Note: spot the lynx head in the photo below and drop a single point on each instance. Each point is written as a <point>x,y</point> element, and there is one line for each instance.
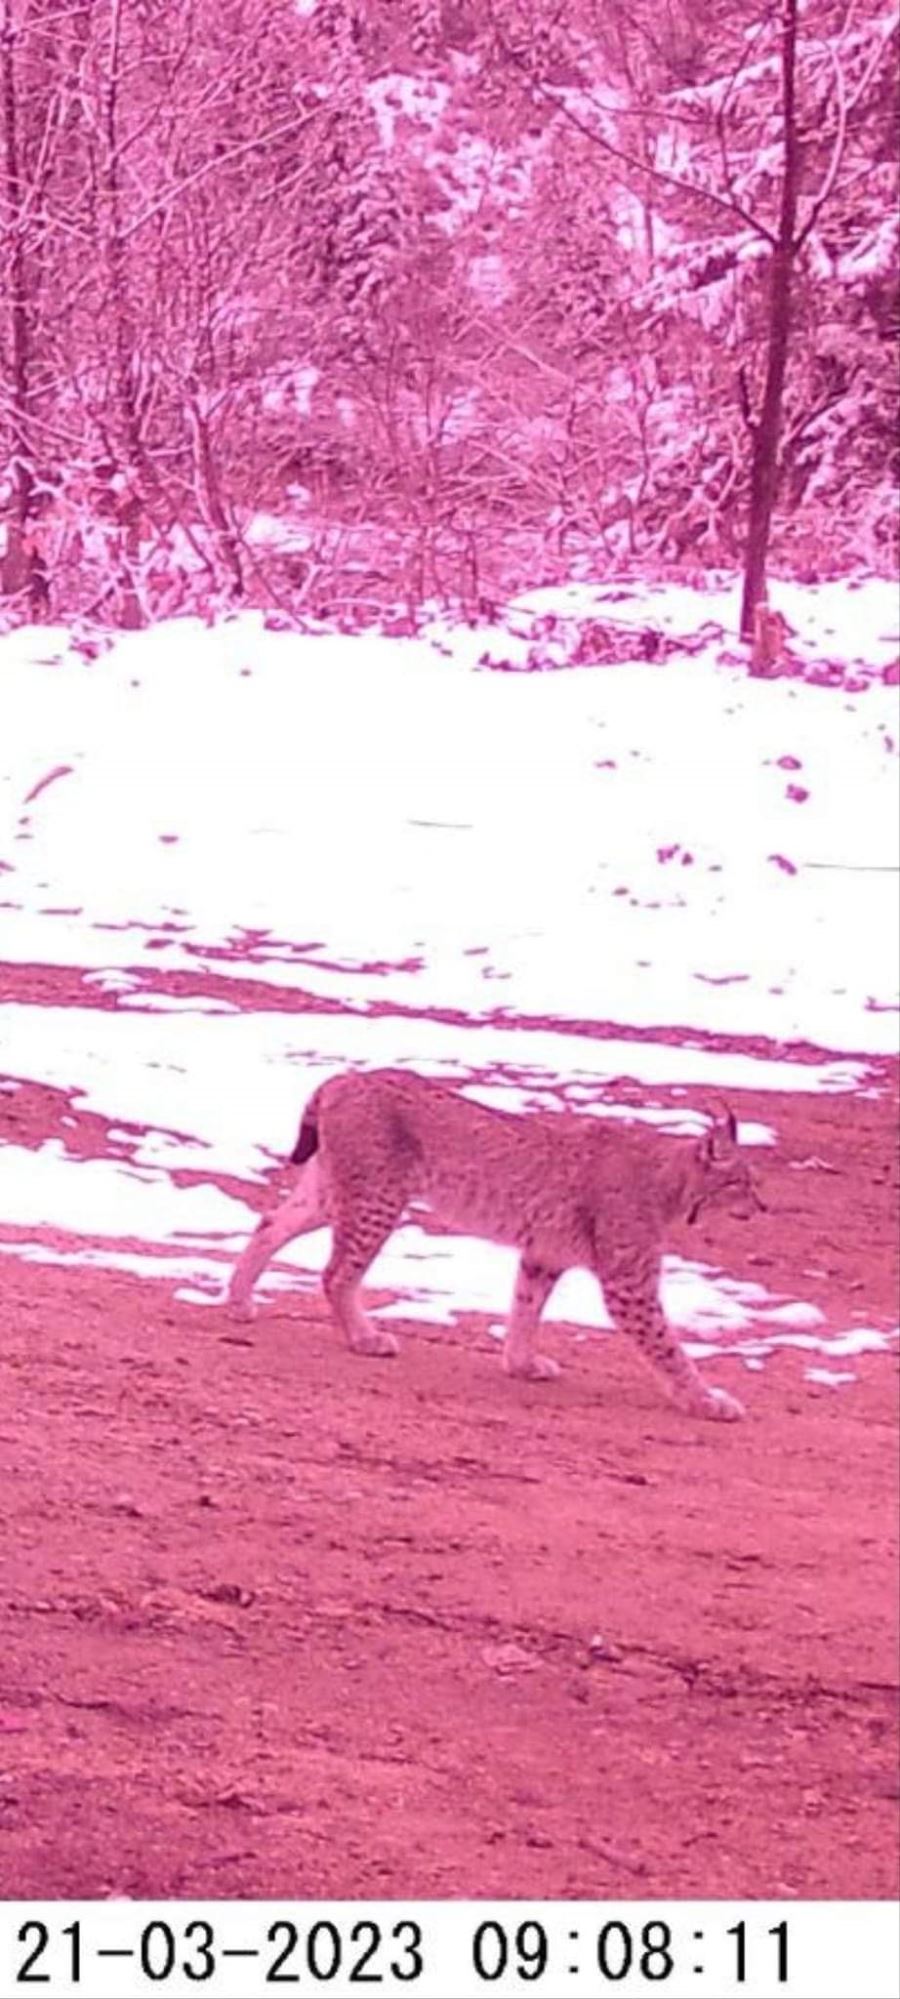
<point>721,1169</point>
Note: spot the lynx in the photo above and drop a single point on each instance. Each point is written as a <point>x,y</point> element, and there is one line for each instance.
<point>563,1189</point>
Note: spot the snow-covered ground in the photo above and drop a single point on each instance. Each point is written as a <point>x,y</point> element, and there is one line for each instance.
<point>372,817</point>
<point>384,822</point>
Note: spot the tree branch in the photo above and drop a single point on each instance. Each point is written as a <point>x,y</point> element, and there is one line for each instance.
<point>730,206</point>
<point>837,153</point>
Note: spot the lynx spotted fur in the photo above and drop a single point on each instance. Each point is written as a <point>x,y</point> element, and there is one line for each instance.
<point>564,1190</point>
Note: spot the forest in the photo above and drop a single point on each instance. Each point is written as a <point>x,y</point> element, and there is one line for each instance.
<point>344,308</point>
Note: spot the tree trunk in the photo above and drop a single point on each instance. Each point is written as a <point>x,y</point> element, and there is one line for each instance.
<point>765,468</point>
<point>210,497</point>
<point>18,573</point>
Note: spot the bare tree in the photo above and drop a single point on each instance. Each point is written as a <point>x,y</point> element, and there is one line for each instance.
<point>704,128</point>
<point>29,113</point>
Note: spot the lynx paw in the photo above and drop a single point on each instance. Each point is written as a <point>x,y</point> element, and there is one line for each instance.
<point>372,1340</point>
<point>531,1367</point>
<point>721,1407</point>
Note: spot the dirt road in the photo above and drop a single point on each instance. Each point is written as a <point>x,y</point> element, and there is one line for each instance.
<point>275,1621</point>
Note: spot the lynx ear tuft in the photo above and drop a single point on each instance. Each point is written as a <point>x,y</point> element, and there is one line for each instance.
<point>723,1123</point>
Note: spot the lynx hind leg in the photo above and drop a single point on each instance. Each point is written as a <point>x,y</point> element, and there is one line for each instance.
<point>534,1284</point>
<point>357,1241</point>
<point>304,1209</point>
<point>633,1305</point>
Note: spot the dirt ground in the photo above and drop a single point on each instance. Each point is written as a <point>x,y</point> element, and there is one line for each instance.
<point>276,1621</point>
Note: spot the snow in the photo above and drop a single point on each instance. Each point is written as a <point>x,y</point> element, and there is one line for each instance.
<point>274,532</point>
<point>234,1083</point>
<point>422,100</point>
<point>377,822</point>
<point>856,620</point>
<point>110,1197</point>
<point>367,818</point>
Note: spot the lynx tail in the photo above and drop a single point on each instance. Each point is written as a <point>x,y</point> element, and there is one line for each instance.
<point>307,1137</point>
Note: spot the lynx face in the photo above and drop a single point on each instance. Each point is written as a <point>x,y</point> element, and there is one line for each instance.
<point>566,1191</point>
<point>725,1172</point>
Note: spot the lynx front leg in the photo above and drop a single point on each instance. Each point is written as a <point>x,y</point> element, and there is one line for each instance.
<point>633,1305</point>
<point>303,1210</point>
<point>533,1287</point>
